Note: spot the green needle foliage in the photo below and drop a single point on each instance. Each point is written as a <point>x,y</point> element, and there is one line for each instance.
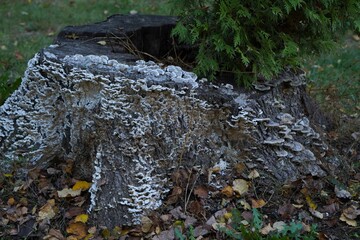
<point>260,37</point>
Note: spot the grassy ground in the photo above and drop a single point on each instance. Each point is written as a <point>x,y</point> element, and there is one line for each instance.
<point>29,25</point>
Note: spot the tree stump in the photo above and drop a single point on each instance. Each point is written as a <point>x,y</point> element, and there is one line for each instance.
<point>127,123</point>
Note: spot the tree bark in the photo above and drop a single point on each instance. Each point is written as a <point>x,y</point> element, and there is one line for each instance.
<point>128,124</point>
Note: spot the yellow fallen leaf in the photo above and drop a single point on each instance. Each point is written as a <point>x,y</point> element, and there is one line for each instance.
<point>82,185</point>
<point>227,191</point>
<point>228,215</point>
<point>350,222</point>
<point>11,201</point>
<point>78,229</point>
<point>257,203</point>
<point>310,202</point>
<point>68,192</point>
<point>82,218</point>
<point>240,186</point>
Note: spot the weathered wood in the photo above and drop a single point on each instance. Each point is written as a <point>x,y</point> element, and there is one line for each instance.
<point>128,124</point>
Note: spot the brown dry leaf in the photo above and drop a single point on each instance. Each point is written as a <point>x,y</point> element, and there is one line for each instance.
<point>82,218</point>
<point>239,168</point>
<point>286,210</point>
<point>48,211</point>
<point>19,56</point>
<point>201,192</point>
<point>175,195</point>
<point>350,222</point>
<point>257,203</point>
<point>267,229</point>
<point>253,174</point>
<point>54,233</point>
<point>68,192</point>
<point>240,186</point>
<point>81,185</point>
<point>196,208</point>
<point>78,229</point>
<point>74,211</point>
<point>146,224</point>
<point>227,191</point>
<point>331,208</point>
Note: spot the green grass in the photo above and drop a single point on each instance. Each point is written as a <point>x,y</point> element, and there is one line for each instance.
<point>335,77</point>
<point>26,26</point>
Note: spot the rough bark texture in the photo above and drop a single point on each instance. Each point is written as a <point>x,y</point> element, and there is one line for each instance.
<point>128,124</point>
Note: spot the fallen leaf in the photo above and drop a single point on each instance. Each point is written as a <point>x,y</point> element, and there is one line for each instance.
<point>92,230</point>
<point>48,211</point>
<point>19,56</point>
<point>195,207</point>
<point>54,233</point>
<point>82,218</point>
<point>82,185</point>
<point>245,205</point>
<point>201,191</point>
<point>146,224</point>
<point>11,201</point>
<point>68,192</point>
<point>310,202</point>
<point>78,229</point>
<point>74,211</point>
<point>239,168</point>
<point>257,203</point>
<point>286,210</point>
<point>240,186</point>
<point>227,191</point>
<point>217,226</point>
<point>175,195</point>
<point>267,229</point>
<point>253,174</point>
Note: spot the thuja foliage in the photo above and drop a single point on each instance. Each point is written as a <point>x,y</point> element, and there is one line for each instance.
<point>259,37</point>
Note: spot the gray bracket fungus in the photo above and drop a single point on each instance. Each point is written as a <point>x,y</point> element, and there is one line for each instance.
<point>128,125</point>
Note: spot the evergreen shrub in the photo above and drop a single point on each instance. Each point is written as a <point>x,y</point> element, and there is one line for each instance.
<point>260,37</point>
